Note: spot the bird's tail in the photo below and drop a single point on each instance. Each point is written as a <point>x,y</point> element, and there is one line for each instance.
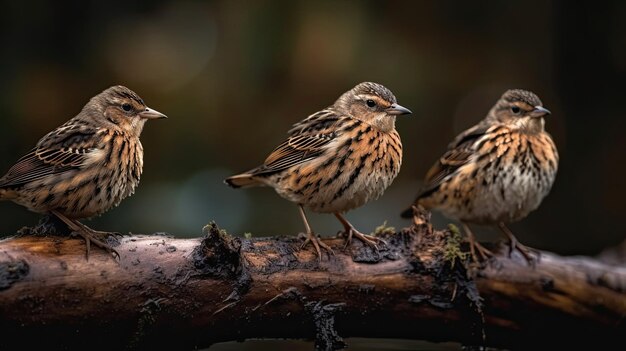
<point>408,213</point>
<point>243,180</point>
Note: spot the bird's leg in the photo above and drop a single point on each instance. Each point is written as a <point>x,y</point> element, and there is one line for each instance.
<point>98,237</point>
<point>311,237</point>
<point>515,244</point>
<point>102,235</point>
<point>476,246</point>
<point>88,234</point>
<point>351,231</point>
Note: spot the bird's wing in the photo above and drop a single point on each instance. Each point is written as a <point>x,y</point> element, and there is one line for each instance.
<point>459,153</point>
<point>296,150</point>
<point>306,141</point>
<point>317,122</point>
<point>64,149</point>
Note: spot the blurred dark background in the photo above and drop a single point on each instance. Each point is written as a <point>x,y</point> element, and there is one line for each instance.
<point>233,76</point>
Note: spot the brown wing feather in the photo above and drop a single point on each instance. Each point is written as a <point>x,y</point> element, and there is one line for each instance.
<point>459,153</point>
<point>307,140</point>
<point>295,150</point>
<point>63,150</point>
<point>315,123</point>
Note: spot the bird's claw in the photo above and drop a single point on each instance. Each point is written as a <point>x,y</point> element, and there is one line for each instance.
<point>317,243</point>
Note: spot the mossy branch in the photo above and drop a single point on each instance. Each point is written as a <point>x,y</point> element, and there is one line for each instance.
<point>190,293</point>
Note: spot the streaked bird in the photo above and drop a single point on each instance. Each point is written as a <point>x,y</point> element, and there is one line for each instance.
<point>86,166</point>
<point>495,172</point>
<point>337,159</point>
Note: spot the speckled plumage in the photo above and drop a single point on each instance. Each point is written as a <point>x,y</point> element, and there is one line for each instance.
<point>87,165</point>
<point>498,171</point>
<point>337,159</point>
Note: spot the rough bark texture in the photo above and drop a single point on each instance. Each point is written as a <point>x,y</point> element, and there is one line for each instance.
<point>187,293</point>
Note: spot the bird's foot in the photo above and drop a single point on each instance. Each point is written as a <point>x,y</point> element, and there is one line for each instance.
<point>317,244</point>
<point>369,240</point>
<point>523,249</point>
<point>484,253</point>
<point>99,239</point>
<point>474,245</point>
<point>531,255</point>
<point>107,235</point>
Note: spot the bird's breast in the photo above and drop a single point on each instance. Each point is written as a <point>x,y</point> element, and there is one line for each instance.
<point>103,185</point>
<point>506,179</point>
<point>362,163</point>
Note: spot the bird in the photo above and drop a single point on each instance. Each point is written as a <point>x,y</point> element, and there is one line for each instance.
<point>336,159</point>
<point>86,166</point>
<point>496,172</point>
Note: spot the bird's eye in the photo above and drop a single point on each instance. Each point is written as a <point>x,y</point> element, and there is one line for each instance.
<point>515,109</point>
<point>127,107</point>
<point>370,103</point>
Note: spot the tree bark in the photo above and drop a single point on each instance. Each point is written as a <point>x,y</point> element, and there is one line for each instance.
<point>190,293</point>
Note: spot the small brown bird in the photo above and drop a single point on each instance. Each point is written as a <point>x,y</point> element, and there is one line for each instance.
<point>497,171</point>
<point>86,166</point>
<point>336,159</point>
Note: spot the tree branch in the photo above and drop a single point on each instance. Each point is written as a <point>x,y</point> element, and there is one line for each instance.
<point>185,293</point>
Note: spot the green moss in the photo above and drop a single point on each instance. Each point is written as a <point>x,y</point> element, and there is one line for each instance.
<point>454,229</point>
<point>452,250</point>
<point>211,227</point>
<point>383,229</point>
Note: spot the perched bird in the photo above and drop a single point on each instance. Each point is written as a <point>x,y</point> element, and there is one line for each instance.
<point>86,166</point>
<point>495,172</point>
<point>336,159</point>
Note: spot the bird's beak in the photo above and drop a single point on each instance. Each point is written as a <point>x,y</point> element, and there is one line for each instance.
<point>396,109</point>
<point>149,113</point>
<point>539,111</point>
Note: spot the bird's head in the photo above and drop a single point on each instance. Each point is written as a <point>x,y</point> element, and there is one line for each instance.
<point>520,110</point>
<point>372,103</point>
<point>122,108</point>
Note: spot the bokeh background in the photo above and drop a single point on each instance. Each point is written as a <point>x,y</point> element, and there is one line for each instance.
<point>234,75</point>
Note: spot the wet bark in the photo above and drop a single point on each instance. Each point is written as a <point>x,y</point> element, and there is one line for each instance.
<point>188,293</point>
